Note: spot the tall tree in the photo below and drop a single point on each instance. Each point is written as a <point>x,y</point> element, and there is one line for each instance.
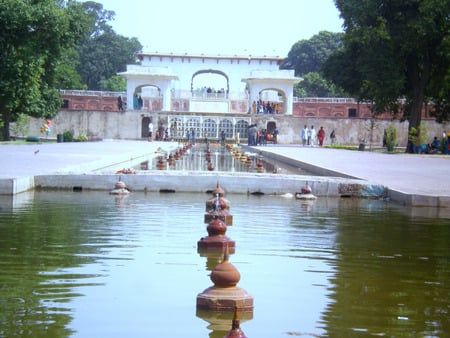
<point>315,85</point>
<point>395,50</point>
<point>104,53</point>
<point>308,56</point>
<point>33,35</point>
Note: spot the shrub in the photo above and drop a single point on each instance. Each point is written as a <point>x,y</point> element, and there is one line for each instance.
<point>68,136</point>
<point>21,126</point>
<point>81,138</point>
<point>418,136</point>
<point>391,138</point>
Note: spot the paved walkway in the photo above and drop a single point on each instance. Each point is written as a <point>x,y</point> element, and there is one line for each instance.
<point>423,175</point>
<point>72,157</point>
<point>408,173</point>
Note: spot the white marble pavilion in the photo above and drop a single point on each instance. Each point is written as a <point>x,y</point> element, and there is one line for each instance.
<point>165,81</point>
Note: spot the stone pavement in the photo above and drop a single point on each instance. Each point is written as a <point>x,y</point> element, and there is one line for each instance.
<point>420,179</point>
<point>73,157</point>
<point>411,179</point>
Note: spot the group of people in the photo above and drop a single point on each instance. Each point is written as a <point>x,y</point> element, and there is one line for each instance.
<point>260,107</point>
<point>138,103</point>
<point>310,136</point>
<point>161,134</point>
<point>261,137</point>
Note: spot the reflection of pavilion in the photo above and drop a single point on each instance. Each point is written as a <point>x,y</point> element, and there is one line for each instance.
<point>166,83</point>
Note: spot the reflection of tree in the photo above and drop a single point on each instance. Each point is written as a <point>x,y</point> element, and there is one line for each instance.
<point>35,248</point>
<point>391,277</point>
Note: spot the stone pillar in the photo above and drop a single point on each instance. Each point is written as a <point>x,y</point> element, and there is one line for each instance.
<point>167,97</point>
<point>289,102</point>
<point>130,94</point>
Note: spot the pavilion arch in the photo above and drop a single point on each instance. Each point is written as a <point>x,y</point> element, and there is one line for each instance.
<point>151,96</point>
<point>268,98</point>
<point>210,71</point>
<point>280,81</point>
<point>138,89</point>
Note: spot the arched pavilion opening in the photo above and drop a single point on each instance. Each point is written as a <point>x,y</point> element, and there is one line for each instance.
<point>275,98</point>
<point>150,97</point>
<point>211,85</point>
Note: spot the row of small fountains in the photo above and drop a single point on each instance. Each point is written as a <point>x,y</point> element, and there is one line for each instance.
<point>172,158</point>
<point>224,297</point>
<point>241,156</point>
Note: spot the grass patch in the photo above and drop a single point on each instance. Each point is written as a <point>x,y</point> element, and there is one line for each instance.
<point>397,150</point>
<point>24,141</point>
<point>341,146</point>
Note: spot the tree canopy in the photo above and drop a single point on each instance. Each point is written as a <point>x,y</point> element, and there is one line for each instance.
<point>33,35</point>
<point>396,54</point>
<point>306,57</point>
<point>48,45</point>
<point>103,53</point>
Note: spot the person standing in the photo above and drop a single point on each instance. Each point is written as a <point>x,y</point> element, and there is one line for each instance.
<point>150,131</point>
<point>222,137</point>
<point>193,136</point>
<point>321,136</point>
<point>304,135</point>
<point>312,133</point>
<point>120,103</point>
<point>333,136</point>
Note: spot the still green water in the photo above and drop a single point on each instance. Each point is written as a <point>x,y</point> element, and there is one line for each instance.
<point>94,265</point>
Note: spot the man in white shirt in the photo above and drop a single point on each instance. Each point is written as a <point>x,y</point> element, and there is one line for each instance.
<point>304,135</point>
<point>150,131</point>
<point>312,131</point>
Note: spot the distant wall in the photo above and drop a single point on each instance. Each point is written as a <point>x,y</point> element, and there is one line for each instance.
<point>129,125</point>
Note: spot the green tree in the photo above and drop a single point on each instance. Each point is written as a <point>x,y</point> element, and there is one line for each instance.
<point>115,83</point>
<point>67,76</point>
<point>308,56</point>
<point>104,53</point>
<point>315,85</point>
<point>395,50</point>
<point>21,126</point>
<point>33,35</point>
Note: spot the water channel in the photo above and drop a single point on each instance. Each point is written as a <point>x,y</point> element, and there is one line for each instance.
<point>89,264</point>
<point>197,158</point>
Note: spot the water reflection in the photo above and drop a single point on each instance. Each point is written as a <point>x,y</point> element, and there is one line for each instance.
<point>89,265</point>
<point>392,277</point>
<point>197,158</point>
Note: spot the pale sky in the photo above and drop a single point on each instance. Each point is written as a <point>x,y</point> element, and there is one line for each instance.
<point>229,27</point>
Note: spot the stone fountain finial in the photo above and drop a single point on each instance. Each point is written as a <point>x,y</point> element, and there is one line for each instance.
<point>216,239</point>
<point>120,188</point>
<point>305,193</point>
<point>225,295</point>
<point>219,206</point>
<point>218,190</point>
<point>236,331</point>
